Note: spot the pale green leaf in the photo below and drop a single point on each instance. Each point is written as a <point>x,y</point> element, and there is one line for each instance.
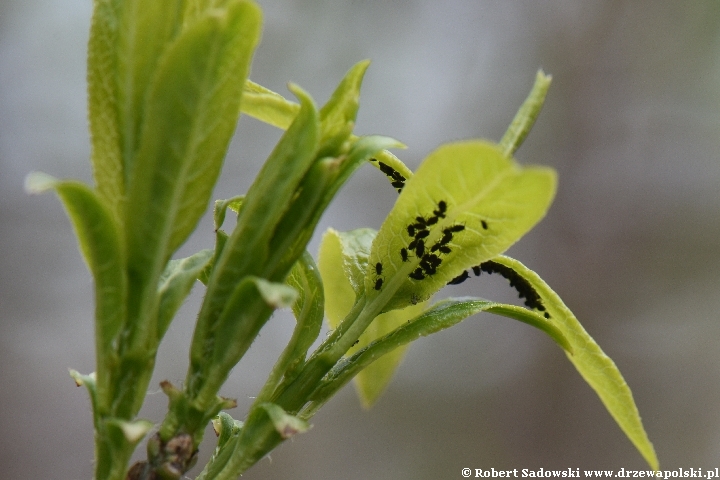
<point>482,202</point>
<point>343,259</point>
<point>396,171</point>
<point>526,116</point>
<point>598,370</point>
<point>372,381</point>
<point>268,106</point>
<point>190,115</point>
<point>336,267</point>
<point>103,249</point>
<point>343,264</point>
<point>175,284</point>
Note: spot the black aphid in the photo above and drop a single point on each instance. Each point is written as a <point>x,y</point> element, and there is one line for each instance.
<point>386,169</point>
<point>547,315</point>
<point>432,220</point>
<point>417,274</point>
<point>433,259</point>
<point>421,221</point>
<point>404,254</point>
<point>398,184</point>
<point>413,244</point>
<point>356,342</point>
<point>447,236</point>
<point>378,283</point>
<point>442,208</point>
<point>476,270</point>
<point>459,279</point>
<point>378,268</point>
<point>524,288</point>
<point>456,228</point>
<point>484,224</point>
<point>411,230</point>
<point>421,234</point>
<point>420,248</point>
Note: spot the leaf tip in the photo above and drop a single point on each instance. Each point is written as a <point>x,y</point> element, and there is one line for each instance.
<point>39,182</point>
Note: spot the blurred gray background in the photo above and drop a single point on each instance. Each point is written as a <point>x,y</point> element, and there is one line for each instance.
<point>632,242</point>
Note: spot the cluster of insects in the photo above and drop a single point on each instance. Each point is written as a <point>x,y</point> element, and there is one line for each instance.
<point>398,180</point>
<point>519,283</point>
<point>430,258</point>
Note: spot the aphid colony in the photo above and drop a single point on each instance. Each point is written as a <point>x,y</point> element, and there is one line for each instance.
<point>523,287</point>
<point>429,257</point>
<point>398,181</point>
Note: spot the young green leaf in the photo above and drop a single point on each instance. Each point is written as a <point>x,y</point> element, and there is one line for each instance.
<point>343,262</point>
<point>344,266</point>
<point>106,155</point>
<point>103,249</point>
<point>337,116</point>
<point>268,106</point>
<point>145,30</point>
<point>175,284</point>
<point>526,116</point>
<point>190,114</point>
<point>221,206</point>
<point>598,370</point>
<point>466,204</point>
<point>218,348</point>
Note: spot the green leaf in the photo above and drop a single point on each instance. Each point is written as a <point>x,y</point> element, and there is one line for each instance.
<point>106,156</point>
<point>396,171</point>
<point>145,30</point>
<point>598,370</point>
<point>103,249</point>
<point>344,264</point>
<point>526,116</point>
<point>337,117</point>
<point>482,203</point>
<point>221,206</point>
<point>190,115</point>
<point>285,424</point>
<point>268,106</point>
<point>175,284</point>
<point>218,346</point>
